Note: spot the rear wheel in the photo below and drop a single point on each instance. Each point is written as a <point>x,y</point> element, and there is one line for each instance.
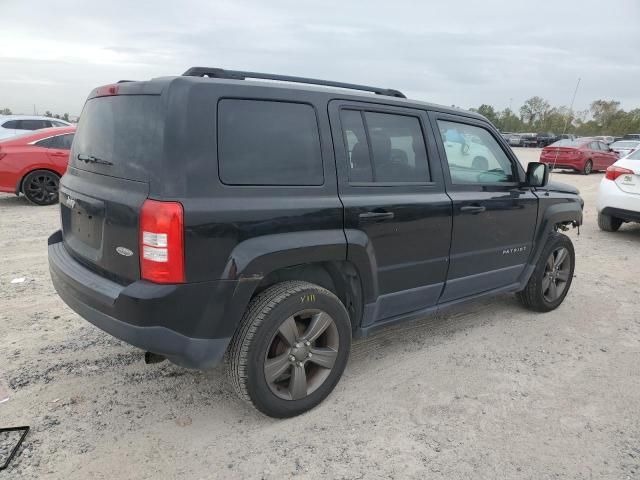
<point>291,348</point>
<point>551,279</point>
<point>41,187</point>
<point>588,167</point>
<point>608,223</point>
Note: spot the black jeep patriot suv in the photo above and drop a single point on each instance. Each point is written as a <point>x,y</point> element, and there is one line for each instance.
<point>209,217</point>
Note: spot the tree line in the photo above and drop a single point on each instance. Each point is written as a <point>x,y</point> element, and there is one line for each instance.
<point>64,116</point>
<point>603,117</point>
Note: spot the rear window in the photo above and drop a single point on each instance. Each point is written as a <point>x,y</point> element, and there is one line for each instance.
<point>627,144</point>
<point>566,143</point>
<point>125,130</point>
<point>268,143</point>
<point>634,156</point>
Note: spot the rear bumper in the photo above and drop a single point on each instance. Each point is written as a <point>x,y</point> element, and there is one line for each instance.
<point>564,163</point>
<point>626,215</point>
<point>190,324</point>
<point>613,201</point>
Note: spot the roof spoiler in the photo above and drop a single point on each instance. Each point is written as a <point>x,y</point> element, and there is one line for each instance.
<point>241,75</point>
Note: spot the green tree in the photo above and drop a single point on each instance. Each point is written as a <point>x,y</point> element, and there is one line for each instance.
<point>604,112</point>
<point>48,114</point>
<point>509,121</point>
<point>5,111</point>
<point>534,110</point>
<point>489,112</point>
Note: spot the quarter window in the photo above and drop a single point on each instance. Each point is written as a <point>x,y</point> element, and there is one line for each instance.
<point>268,143</point>
<point>61,142</point>
<point>473,155</point>
<point>384,148</point>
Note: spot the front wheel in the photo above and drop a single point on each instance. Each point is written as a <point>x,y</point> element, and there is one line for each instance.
<point>290,349</point>
<point>41,187</point>
<point>551,279</point>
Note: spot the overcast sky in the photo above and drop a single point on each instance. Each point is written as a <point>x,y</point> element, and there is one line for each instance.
<point>464,52</point>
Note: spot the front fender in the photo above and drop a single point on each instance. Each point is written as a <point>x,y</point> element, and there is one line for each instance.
<point>551,215</point>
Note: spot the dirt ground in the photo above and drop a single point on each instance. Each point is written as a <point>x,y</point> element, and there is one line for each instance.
<point>488,391</point>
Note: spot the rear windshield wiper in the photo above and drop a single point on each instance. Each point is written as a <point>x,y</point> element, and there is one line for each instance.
<point>92,159</point>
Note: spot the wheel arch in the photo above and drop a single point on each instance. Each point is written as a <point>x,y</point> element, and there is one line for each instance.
<point>555,217</point>
<point>318,257</point>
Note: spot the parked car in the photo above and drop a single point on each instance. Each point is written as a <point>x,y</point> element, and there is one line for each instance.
<point>506,135</point>
<point>545,139</point>
<point>529,139</point>
<point>515,140</point>
<point>33,163</point>
<point>567,136</point>
<point>582,154</point>
<point>295,219</point>
<point>619,194</point>
<point>608,139</point>
<point>625,147</point>
<point>11,125</point>
<point>631,136</point>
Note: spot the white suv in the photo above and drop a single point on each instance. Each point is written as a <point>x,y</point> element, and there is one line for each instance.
<point>619,194</point>
<point>11,125</point>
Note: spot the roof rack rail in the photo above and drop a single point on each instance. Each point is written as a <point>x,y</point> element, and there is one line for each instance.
<point>240,75</point>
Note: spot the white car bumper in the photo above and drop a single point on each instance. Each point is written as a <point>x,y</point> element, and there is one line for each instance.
<point>610,196</point>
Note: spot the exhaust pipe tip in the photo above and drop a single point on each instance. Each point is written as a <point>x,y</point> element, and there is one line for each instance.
<point>150,357</point>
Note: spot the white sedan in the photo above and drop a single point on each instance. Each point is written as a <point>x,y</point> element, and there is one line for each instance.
<point>619,194</point>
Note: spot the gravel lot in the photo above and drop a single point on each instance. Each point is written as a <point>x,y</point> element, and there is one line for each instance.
<point>489,391</point>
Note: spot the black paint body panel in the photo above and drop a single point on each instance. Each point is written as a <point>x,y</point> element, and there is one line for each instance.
<point>426,254</point>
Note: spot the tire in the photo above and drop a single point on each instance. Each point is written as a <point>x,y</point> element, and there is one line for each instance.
<point>537,295</point>
<point>608,223</point>
<point>266,334</point>
<point>588,167</point>
<point>41,187</point>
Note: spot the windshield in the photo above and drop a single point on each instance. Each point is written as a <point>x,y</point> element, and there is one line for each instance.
<point>625,144</point>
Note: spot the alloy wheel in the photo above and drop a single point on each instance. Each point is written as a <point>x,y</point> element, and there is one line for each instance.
<point>556,274</point>
<point>301,354</point>
<point>42,188</point>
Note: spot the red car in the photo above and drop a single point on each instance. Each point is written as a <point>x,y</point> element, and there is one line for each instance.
<point>33,163</point>
<point>582,154</point>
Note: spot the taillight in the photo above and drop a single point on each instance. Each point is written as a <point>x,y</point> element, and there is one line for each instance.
<point>162,242</point>
<point>614,172</point>
<point>106,90</point>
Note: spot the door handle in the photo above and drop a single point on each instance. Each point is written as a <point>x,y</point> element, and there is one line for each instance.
<point>376,216</point>
<point>473,209</point>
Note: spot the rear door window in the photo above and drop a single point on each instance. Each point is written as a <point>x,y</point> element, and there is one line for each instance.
<point>384,147</point>
<point>268,143</point>
<point>33,124</point>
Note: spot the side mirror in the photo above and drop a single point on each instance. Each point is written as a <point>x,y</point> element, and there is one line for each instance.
<point>537,174</point>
